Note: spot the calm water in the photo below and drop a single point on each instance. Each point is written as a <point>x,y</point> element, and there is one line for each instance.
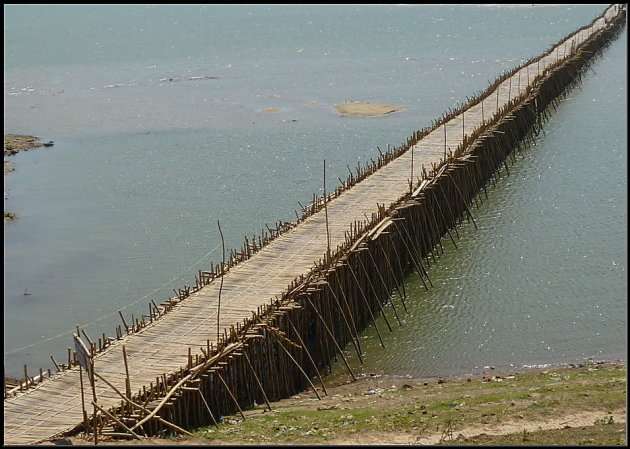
<point>157,114</point>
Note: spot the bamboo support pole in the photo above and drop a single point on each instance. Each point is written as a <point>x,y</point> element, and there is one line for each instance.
<point>286,351</point>
<point>260,386</point>
<point>345,319</point>
<point>230,393</point>
<point>386,287</point>
<point>151,414</point>
<point>332,337</point>
<point>418,263</point>
<point>346,302</point>
<point>208,409</point>
<point>369,309</point>
<point>308,354</point>
<point>119,422</point>
<point>376,295</point>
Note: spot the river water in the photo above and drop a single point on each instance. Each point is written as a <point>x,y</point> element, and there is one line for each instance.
<point>162,121</point>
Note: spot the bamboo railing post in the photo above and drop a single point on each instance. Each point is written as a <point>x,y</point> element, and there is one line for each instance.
<point>326,211</point>
<point>124,322</point>
<point>55,363</point>
<point>127,379</point>
<point>221,285</point>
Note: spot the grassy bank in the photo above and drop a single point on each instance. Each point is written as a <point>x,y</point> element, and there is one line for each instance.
<point>564,405</point>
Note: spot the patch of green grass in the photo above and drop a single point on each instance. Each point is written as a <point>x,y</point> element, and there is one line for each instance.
<point>284,426</point>
<point>440,408</point>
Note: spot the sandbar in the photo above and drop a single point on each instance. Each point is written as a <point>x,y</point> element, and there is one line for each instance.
<point>366,109</point>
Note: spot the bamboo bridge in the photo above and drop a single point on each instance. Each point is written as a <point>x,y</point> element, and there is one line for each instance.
<point>292,298</point>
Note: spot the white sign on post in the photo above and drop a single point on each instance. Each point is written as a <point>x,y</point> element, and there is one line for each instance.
<point>83,355</point>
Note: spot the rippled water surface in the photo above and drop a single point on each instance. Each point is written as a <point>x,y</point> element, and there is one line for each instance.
<point>543,277</point>
<point>158,117</point>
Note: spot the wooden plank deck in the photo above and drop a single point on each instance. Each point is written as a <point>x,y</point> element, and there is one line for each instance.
<point>55,405</point>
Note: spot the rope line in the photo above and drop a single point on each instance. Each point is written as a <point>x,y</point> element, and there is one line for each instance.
<point>122,308</point>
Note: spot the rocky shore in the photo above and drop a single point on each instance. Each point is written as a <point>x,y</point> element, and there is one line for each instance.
<point>14,143</point>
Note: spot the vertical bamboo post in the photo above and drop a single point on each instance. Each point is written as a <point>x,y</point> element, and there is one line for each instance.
<point>94,426</point>
<point>127,380</point>
<point>85,417</point>
<point>326,211</point>
<point>498,87</point>
<point>221,285</point>
<point>444,140</point>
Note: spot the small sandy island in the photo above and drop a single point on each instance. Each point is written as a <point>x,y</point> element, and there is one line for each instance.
<point>14,143</point>
<point>365,109</point>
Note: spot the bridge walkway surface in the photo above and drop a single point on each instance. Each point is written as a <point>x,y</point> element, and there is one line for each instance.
<point>55,406</point>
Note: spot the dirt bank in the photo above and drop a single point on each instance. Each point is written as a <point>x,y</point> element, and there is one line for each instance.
<point>364,109</point>
<point>584,404</point>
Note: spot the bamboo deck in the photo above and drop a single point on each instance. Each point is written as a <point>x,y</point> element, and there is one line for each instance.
<point>54,406</point>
